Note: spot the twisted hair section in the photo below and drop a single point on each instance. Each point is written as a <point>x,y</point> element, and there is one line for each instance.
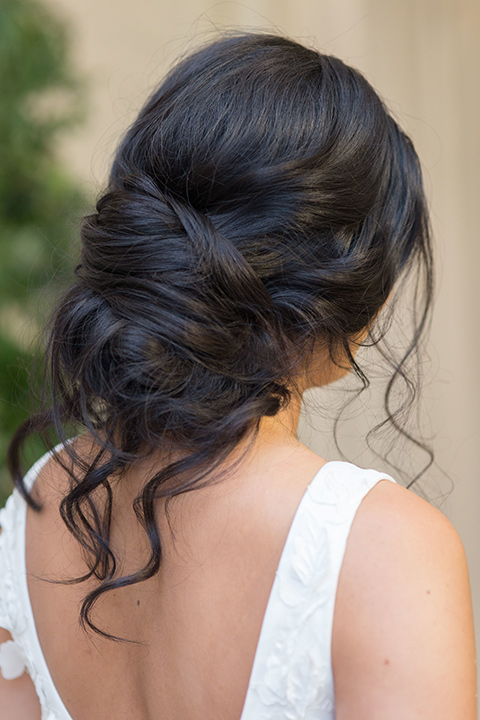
<point>264,201</point>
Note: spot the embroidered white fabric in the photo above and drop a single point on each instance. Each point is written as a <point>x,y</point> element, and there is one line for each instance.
<point>291,677</point>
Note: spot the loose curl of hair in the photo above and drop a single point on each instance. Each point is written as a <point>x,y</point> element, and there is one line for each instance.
<point>263,201</point>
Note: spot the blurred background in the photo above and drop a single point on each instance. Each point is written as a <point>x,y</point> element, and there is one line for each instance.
<point>74,75</point>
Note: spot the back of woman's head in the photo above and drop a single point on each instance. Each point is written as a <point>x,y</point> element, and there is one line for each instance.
<point>264,203</point>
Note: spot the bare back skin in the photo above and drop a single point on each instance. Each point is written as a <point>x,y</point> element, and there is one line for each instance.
<point>199,620</point>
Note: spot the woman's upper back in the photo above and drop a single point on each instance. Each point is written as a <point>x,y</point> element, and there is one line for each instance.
<point>199,620</point>
<point>399,619</point>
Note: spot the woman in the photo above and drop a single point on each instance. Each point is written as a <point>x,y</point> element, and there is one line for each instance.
<point>259,213</point>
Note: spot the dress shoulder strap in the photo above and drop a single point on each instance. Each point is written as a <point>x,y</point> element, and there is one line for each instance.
<point>292,671</point>
<point>23,652</point>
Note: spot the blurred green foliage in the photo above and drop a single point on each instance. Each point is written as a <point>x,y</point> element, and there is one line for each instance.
<point>41,96</point>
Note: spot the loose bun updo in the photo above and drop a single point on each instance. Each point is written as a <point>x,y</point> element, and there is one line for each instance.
<point>264,201</point>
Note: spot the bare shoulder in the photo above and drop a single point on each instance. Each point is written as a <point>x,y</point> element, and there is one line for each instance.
<point>53,479</point>
<point>387,502</point>
<point>403,638</point>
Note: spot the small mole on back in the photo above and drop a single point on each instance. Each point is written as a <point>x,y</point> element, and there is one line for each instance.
<point>138,602</point>
<point>386,661</point>
<point>428,592</point>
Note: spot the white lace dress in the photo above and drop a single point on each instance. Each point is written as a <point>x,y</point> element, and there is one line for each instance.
<point>291,677</point>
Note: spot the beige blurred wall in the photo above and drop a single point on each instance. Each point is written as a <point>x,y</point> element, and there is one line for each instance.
<point>424,58</point>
